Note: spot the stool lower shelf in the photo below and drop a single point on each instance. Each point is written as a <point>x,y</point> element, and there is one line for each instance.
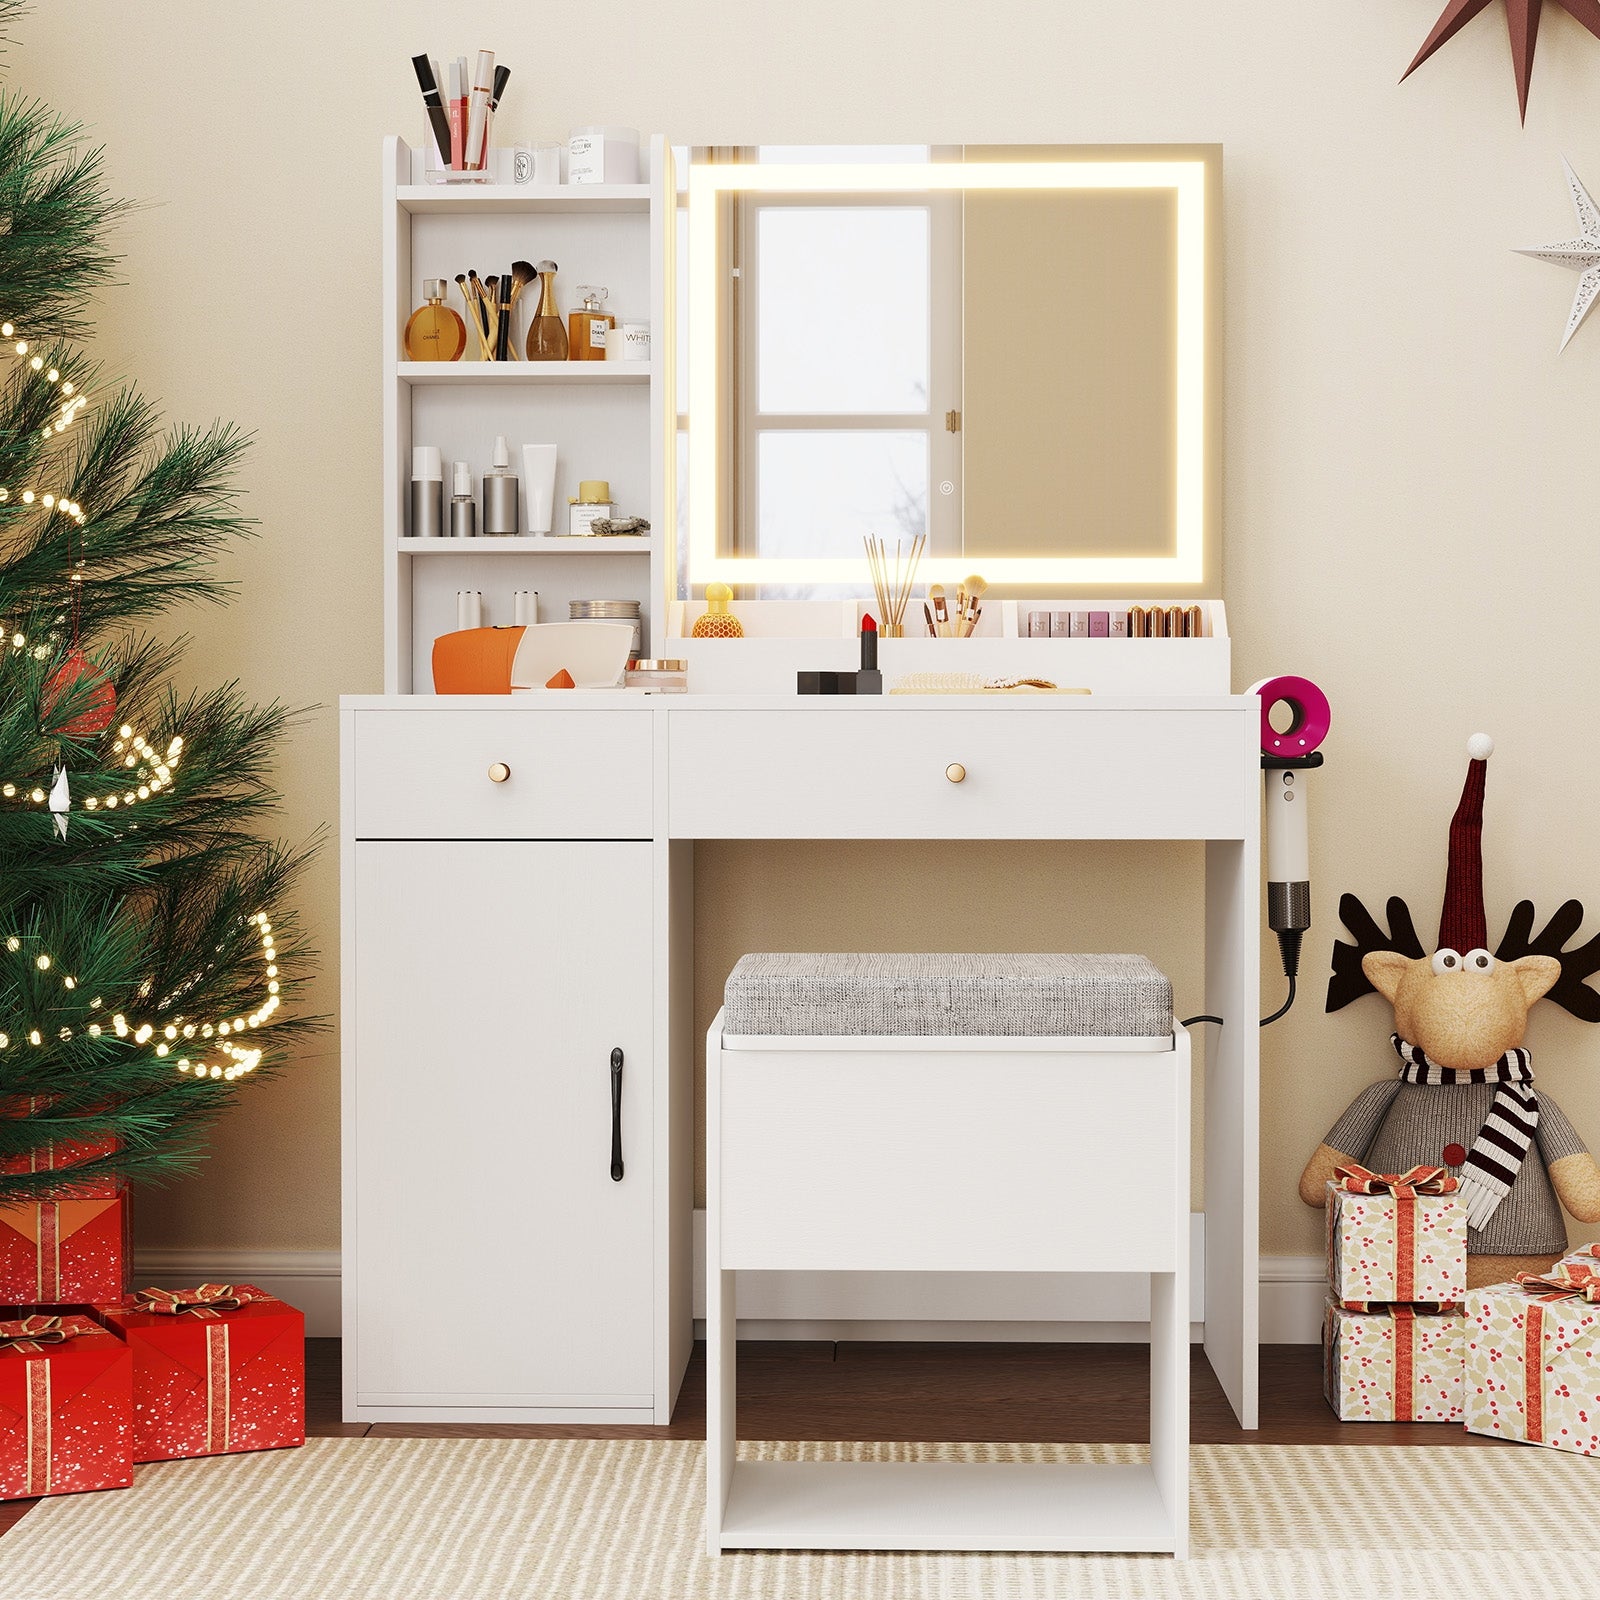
<point>943,1505</point>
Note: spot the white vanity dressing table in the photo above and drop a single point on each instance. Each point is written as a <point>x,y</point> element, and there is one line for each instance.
<point>502,938</point>
<point>517,870</point>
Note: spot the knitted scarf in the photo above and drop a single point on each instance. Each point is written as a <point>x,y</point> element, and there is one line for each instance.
<point>1497,1153</point>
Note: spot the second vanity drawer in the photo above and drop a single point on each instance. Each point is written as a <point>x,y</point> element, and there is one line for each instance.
<point>567,774</point>
<point>1028,771</point>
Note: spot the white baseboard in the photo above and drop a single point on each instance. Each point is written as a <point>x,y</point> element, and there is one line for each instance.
<point>1017,1307</point>
<point>306,1279</point>
<point>1293,1292</point>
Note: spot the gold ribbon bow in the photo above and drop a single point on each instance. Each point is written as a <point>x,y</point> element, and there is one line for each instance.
<point>1355,1179</point>
<point>1566,1282</point>
<point>206,1300</point>
<point>34,1333</point>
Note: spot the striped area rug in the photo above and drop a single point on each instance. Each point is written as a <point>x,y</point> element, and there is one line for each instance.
<point>602,1519</point>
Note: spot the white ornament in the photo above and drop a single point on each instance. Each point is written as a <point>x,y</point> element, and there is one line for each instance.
<point>1581,254</point>
<point>60,800</point>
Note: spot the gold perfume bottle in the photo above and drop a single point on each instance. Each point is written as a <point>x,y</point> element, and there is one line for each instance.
<point>547,333</point>
<point>435,332</point>
<point>717,621</point>
<point>588,325</point>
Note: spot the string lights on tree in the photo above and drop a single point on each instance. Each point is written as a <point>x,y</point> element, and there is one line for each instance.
<point>136,959</point>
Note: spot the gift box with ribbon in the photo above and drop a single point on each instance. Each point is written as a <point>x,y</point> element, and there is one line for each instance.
<point>1533,1359</point>
<point>1396,1238</point>
<point>66,1408</point>
<point>216,1369</point>
<point>70,1251</point>
<point>1396,1364</point>
<point>55,1154</point>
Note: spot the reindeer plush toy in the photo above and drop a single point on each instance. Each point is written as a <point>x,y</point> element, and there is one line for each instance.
<point>1464,1098</point>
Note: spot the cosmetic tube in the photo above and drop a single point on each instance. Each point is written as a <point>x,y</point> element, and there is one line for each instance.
<point>469,608</point>
<point>427,492</point>
<point>525,607</point>
<point>478,108</point>
<point>539,485</point>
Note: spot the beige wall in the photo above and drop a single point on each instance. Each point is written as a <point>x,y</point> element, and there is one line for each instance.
<point>1408,507</point>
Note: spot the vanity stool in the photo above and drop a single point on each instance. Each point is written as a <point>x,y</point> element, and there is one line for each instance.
<point>954,1113</point>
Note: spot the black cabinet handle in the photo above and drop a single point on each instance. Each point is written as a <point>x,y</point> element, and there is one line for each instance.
<point>616,1115</point>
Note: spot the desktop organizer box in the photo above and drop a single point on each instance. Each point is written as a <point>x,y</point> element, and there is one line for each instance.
<point>1006,1113</point>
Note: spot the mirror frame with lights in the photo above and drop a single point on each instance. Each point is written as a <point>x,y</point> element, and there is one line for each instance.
<point>1192,172</point>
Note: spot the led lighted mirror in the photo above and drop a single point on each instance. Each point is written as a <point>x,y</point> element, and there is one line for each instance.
<point>1011,351</point>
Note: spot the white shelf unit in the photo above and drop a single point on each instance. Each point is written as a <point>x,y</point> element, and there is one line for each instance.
<point>609,420</point>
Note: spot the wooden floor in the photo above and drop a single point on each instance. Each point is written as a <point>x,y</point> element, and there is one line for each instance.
<point>1072,1393</point>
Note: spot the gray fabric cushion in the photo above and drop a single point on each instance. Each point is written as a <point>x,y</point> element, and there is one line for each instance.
<point>1060,996</point>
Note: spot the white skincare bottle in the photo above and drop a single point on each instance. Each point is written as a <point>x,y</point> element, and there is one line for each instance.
<point>539,485</point>
<point>463,510</point>
<point>500,493</point>
<point>427,492</point>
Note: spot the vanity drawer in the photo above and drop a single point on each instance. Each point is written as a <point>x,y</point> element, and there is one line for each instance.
<point>569,774</point>
<point>1030,771</point>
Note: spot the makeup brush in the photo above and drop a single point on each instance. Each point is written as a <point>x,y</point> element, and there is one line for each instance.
<point>502,345</point>
<point>936,595</point>
<point>491,312</point>
<point>933,632</point>
<point>470,299</point>
<point>976,587</point>
<point>522,274</point>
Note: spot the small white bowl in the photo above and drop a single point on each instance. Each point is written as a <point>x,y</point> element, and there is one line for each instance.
<point>593,652</point>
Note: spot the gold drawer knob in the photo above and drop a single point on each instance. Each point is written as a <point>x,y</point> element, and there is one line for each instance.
<point>499,772</point>
<point>955,772</point>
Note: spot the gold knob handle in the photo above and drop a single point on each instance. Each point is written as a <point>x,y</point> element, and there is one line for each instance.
<point>955,772</point>
<point>499,772</point>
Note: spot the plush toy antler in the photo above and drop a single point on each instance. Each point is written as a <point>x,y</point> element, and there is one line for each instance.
<point>1349,982</point>
<point>1569,992</point>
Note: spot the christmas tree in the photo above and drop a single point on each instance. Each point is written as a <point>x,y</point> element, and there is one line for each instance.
<point>147,954</point>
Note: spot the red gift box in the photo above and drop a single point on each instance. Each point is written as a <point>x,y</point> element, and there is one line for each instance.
<point>55,1154</point>
<point>66,1408</point>
<point>216,1370</point>
<point>68,1251</point>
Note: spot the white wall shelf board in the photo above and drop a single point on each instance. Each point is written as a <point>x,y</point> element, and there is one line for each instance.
<point>513,199</point>
<point>527,544</point>
<point>520,372</point>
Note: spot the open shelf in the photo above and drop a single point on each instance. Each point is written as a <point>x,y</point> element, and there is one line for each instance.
<point>945,1505</point>
<point>526,544</point>
<point>520,372</point>
<point>510,199</point>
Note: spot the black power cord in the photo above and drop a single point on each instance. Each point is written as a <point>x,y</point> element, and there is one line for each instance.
<point>1189,1022</point>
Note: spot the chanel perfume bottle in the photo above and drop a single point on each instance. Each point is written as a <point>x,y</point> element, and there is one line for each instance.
<point>435,332</point>
<point>588,325</point>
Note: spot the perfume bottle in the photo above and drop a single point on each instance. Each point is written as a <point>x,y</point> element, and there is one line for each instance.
<point>717,621</point>
<point>588,325</point>
<point>435,332</point>
<point>547,333</point>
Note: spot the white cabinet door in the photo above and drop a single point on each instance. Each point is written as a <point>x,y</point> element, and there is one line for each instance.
<point>499,1263</point>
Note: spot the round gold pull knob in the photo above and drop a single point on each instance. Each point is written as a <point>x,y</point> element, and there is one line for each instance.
<point>955,772</point>
<point>499,772</point>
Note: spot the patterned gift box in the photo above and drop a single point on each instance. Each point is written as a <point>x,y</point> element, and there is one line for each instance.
<point>69,1251</point>
<point>1396,1238</point>
<point>1393,1365</point>
<point>1533,1359</point>
<point>1586,1256</point>
<point>66,1408</point>
<point>216,1370</point>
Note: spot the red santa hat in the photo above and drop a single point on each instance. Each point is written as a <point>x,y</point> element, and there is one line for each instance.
<point>1463,925</point>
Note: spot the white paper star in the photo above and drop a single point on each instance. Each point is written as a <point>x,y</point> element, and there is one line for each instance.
<point>1581,254</point>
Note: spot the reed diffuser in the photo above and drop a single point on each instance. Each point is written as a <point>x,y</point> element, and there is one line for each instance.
<point>892,584</point>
